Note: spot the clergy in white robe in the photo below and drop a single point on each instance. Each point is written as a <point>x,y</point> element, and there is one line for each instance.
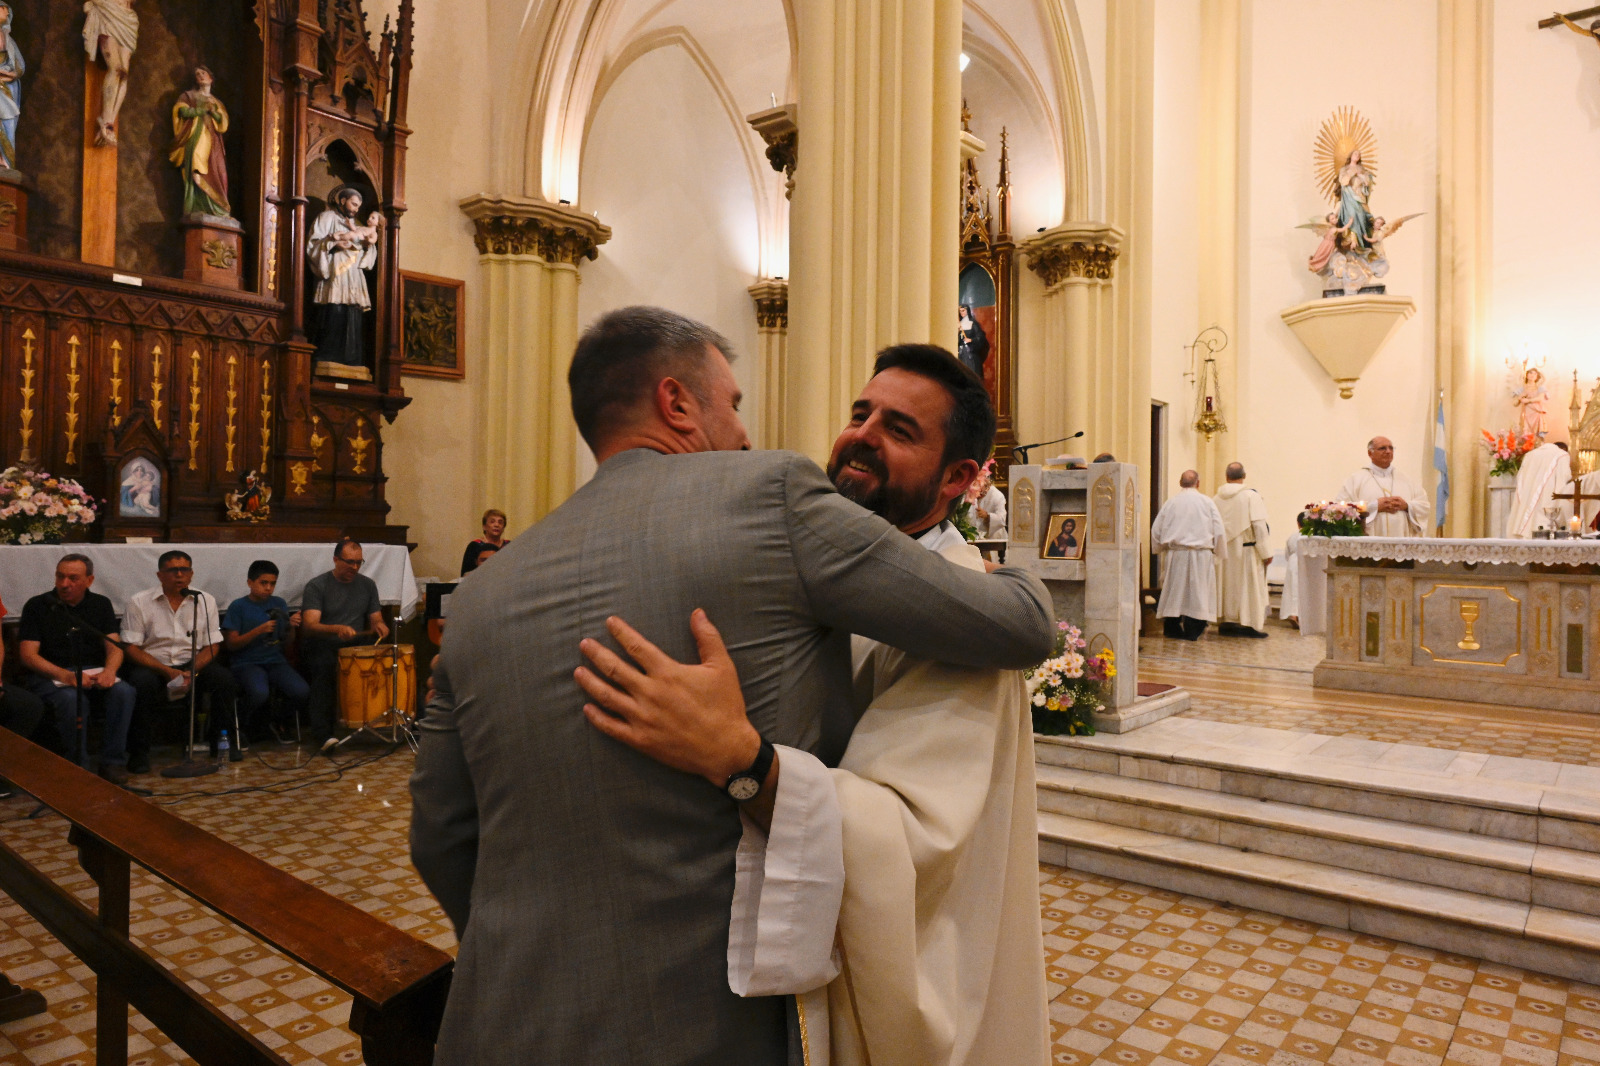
<point>936,960</point>
<point>989,514</point>
<point>1243,570</point>
<point>1396,505</point>
<point>1545,471</point>
<point>1190,537</point>
<point>1590,484</point>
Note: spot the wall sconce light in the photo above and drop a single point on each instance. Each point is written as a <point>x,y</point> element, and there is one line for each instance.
<point>1208,389</point>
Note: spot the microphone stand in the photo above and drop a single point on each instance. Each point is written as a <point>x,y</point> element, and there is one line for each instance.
<point>188,767</point>
<point>1022,450</point>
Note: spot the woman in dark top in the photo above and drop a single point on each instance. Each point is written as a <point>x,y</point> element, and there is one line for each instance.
<point>494,527</point>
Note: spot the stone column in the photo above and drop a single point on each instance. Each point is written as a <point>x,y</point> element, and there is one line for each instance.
<point>876,207</point>
<point>1219,181</point>
<point>771,296</point>
<point>527,443</point>
<point>1076,261</point>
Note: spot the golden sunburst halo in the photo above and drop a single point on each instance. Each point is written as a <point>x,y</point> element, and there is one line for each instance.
<point>1343,133</point>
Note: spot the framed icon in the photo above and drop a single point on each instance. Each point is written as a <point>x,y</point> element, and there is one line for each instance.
<point>139,489</point>
<point>432,328</point>
<point>1065,536</point>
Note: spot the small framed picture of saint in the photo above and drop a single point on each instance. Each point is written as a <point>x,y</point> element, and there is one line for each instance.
<point>432,328</point>
<point>139,484</point>
<point>1064,536</point>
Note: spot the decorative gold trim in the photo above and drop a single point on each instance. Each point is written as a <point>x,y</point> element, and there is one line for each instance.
<point>266,415</point>
<point>116,382</point>
<point>317,441</point>
<point>73,377</point>
<point>1422,624</point>
<point>27,395</point>
<point>232,409</point>
<point>157,405</point>
<point>194,409</point>
<point>1470,610</point>
<point>1023,513</point>
<point>1103,511</point>
<point>358,447</point>
<point>1076,260</point>
<point>299,475</point>
<point>771,298</point>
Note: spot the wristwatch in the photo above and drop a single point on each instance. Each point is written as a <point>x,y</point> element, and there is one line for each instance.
<point>746,784</point>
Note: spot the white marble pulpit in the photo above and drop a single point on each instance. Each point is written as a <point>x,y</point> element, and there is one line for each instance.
<point>1511,622</point>
<point>1099,593</point>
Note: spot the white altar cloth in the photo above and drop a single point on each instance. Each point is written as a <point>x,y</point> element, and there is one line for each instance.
<point>121,570</point>
<point>1451,550</point>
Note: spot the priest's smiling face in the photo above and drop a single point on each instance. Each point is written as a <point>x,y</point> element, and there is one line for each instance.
<point>890,458</point>
<point>1381,451</point>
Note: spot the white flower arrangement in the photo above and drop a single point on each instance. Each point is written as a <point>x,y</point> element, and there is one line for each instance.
<point>36,508</point>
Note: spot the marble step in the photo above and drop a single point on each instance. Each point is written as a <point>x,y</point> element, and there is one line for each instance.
<point>1564,813</point>
<point>1535,937</point>
<point>1513,870</point>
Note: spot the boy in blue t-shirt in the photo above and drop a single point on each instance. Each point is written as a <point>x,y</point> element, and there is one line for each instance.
<point>255,629</point>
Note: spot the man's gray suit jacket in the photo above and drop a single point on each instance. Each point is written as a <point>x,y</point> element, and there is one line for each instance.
<point>598,882</point>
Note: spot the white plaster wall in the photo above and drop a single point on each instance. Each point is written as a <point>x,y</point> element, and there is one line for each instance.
<point>1546,229</point>
<point>664,169</point>
<point>1297,439</point>
<point>430,447</point>
<point>1174,284</point>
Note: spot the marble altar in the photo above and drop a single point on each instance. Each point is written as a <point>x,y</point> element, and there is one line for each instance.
<point>1099,592</point>
<point>1511,622</point>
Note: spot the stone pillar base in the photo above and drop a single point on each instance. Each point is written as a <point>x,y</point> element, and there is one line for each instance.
<point>213,252</point>
<point>13,210</point>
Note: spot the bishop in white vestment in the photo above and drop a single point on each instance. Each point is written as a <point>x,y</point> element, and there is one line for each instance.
<point>1243,569</point>
<point>1190,536</point>
<point>1396,505</point>
<point>1545,471</point>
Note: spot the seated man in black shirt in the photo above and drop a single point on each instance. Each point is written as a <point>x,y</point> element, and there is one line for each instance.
<point>339,609</point>
<point>56,640</point>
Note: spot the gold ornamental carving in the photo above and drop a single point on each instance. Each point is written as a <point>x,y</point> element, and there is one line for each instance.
<point>556,233</point>
<point>8,214</point>
<point>1079,259</point>
<point>317,441</point>
<point>299,476</point>
<point>232,409</point>
<point>772,304</point>
<point>1129,516</point>
<point>358,448</point>
<point>219,254</point>
<point>27,396</point>
<point>779,129</point>
<point>1470,611</point>
<point>1022,507</point>
<point>73,377</point>
<point>194,409</point>
<point>266,412</point>
<point>157,404</point>
<point>1103,511</point>
<point>116,382</point>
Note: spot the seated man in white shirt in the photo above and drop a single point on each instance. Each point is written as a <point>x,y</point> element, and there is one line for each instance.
<point>162,632</point>
<point>931,809</point>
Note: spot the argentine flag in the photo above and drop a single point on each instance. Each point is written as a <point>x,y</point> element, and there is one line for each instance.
<point>1441,463</point>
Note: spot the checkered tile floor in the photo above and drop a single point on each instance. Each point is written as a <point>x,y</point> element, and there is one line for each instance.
<point>1143,977</point>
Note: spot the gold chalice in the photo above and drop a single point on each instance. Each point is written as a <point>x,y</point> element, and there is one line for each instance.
<point>1470,610</point>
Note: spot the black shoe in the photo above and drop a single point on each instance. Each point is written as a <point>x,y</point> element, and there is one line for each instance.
<point>117,775</point>
<point>138,764</point>
<point>1246,631</point>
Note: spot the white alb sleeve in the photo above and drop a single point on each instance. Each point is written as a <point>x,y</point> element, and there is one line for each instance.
<point>788,886</point>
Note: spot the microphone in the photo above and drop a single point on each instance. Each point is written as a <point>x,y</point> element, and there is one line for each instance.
<point>190,592</point>
<point>1021,450</point>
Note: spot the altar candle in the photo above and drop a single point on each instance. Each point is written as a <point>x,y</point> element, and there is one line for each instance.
<point>1574,524</point>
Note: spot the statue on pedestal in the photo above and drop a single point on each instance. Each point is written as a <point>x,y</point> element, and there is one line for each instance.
<point>11,70</point>
<point>1531,403</point>
<point>110,34</point>
<point>198,122</point>
<point>1350,257</point>
<point>340,249</point>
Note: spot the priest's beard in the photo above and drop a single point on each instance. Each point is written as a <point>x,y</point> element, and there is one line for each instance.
<point>896,504</point>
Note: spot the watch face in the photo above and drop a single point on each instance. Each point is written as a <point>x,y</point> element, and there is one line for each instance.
<point>743,788</point>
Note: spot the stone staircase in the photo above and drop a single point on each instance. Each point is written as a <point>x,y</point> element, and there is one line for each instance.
<point>1490,857</point>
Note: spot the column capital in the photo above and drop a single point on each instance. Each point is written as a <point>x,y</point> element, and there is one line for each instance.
<point>520,225</point>
<point>1074,250</point>
<point>771,296</point>
<point>779,128</point>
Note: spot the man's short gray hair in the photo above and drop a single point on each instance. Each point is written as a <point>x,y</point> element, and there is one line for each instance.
<point>623,356</point>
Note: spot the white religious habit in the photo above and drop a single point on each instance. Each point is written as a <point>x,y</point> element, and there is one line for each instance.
<point>1545,471</point>
<point>1289,605</point>
<point>1191,538</point>
<point>1243,573</point>
<point>993,503</point>
<point>936,959</point>
<point>1590,484</point>
<point>339,270</point>
<point>1371,482</point>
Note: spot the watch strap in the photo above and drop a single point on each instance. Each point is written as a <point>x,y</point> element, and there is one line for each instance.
<point>757,771</point>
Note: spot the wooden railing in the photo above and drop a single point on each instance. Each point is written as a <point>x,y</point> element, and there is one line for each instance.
<point>398,982</point>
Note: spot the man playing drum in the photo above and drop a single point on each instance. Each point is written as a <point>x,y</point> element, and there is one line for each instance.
<point>339,609</point>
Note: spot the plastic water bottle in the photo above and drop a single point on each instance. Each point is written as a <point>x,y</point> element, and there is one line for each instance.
<point>222,751</point>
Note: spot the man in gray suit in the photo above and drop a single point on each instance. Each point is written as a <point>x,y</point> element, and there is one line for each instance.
<point>589,884</point>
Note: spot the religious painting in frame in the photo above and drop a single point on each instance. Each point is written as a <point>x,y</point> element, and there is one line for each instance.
<point>432,325</point>
<point>985,303</point>
<point>1064,537</point>
<point>139,485</point>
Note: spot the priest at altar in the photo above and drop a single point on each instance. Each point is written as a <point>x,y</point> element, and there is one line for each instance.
<point>1396,505</point>
<point>1545,472</point>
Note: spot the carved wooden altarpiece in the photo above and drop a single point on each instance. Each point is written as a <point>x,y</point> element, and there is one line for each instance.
<point>987,271</point>
<point>218,381</point>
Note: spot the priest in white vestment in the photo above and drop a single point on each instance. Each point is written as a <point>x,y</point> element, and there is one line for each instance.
<point>1396,505</point>
<point>1191,539</point>
<point>1590,484</point>
<point>1545,471</point>
<point>1243,569</point>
